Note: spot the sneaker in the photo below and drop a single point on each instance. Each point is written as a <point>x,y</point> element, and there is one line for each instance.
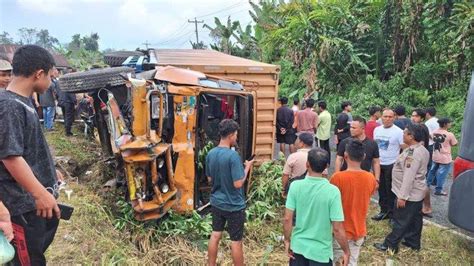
<point>380,216</point>
<point>383,247</point>
<point>440,193</point>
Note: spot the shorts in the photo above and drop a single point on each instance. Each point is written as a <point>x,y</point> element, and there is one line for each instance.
<point>234,220</point>
<point>300,260</point>
<point>354,247</point>
<point>288,138</point>
<point>33,235</point>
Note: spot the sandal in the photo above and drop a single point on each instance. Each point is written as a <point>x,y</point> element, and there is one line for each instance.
<point>429,214</point>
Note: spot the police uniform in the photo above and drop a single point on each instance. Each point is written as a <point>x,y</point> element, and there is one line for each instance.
<point>409,184</point>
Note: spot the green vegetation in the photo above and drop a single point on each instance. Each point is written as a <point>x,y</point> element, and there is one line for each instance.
<point>415,53</point>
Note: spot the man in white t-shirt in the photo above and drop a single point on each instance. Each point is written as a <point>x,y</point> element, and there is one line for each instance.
<point>432,124</point>
<point>389,138</point>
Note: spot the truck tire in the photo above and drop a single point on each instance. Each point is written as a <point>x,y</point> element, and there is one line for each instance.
<point>94,79</point>
<point>114,59</point>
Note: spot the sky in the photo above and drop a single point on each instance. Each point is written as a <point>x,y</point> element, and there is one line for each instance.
<point>122,24</point>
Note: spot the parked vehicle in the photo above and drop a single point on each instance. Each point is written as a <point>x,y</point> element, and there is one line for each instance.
<point>461,197</point>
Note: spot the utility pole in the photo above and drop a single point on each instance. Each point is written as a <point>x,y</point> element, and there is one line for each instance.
<point>146,43</point>
<point>195,21</point>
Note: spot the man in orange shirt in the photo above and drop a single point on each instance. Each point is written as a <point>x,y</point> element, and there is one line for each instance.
<point>356,187</point>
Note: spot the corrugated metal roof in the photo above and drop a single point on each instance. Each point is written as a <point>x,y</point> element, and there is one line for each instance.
<point>8,50</point>
<point>208,58</point>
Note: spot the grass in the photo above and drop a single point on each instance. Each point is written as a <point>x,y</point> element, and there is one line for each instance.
<point>100,233</point>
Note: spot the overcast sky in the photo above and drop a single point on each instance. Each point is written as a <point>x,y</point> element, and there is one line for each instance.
<point>121,24</point>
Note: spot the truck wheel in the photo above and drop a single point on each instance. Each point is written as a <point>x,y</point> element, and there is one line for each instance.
<point>94,79</point>
<point>117,58</point>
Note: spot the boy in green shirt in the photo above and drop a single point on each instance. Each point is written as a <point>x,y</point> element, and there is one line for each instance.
<point>319,214</point>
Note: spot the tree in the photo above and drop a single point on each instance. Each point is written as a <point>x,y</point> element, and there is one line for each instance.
<point>76,43</point>
<point>222,34</point>
<point>45,40</point>
<point>91,42</point>
<point>198,46</point>
<point>28,36</point>
<point>5,38</point>
<point>248,43</point>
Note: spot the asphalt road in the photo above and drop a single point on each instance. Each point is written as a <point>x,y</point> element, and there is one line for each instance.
<point>439,203</point>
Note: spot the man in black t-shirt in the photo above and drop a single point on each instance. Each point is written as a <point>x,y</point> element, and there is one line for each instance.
<point>27,174</point>
<point>371,161</point>
<point>285,133</point>
<point>402,121</point>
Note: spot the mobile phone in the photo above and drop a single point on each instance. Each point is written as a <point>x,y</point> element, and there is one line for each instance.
<point>66,211</point>
<point>251,157</point>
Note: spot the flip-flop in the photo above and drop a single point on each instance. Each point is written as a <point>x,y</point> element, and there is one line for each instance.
<point>429,215</point>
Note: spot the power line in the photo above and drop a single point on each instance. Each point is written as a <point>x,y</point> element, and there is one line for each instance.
<point>221,10</point>
<point>172,36</point>
<point>176,39</point>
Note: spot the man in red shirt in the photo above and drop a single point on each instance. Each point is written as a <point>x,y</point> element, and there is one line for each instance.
<point>308,120</point>
<point>375,113</point>
<point>356,187</point>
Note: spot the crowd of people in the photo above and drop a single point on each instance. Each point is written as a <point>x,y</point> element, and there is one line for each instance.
<point>325,216</point>
<point>397,156</point>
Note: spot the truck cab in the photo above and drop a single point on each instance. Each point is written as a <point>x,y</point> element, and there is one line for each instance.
<point>161,142</point>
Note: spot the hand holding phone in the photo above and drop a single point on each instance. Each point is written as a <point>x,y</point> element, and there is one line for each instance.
<point>66,211</point>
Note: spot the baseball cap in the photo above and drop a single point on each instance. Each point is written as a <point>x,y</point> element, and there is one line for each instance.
<point>5,65</point>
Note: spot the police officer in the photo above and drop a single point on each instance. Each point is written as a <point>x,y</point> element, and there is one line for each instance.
<point>409,186</point>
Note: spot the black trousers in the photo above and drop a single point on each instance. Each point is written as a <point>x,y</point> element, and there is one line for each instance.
<point>324,144</point>
<point>68,112</point>
<point>407,224</point>
<point>300,260</point>
<point>386,196</point>
<point>430,162</point>
<point>33,235</point>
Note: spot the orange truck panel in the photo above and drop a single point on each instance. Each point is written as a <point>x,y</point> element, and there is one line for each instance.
<point>262,77</point>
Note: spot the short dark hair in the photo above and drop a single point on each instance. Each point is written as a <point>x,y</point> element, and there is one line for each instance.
<point>374,109</point>
<point>399,110</point>
<point>420,112</point>
<point>306,138</point>
<point>431,111</point>
<point>227,127</point>
<point>359,119</point>
<point>310,103</point>
<point>30,58</point>
<point>444,121</point>
<point>284,100</point>
<point>417,131</point>
<point>296,101</point>
<point>318,159</point>
<point>322,104</point>
<point>355,150</point>
<point>345,104</point>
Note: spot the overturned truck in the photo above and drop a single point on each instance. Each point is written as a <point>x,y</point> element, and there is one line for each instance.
<point>158,125</point>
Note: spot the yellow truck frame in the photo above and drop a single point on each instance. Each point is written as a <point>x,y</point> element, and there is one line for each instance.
<point>161,169</point>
